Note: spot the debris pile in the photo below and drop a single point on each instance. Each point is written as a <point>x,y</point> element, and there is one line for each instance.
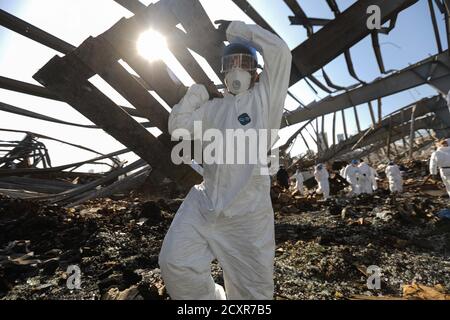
<point>322,253</point>
<point>115,244</point>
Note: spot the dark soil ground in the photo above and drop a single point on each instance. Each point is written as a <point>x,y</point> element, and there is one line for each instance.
<point>324,249</point>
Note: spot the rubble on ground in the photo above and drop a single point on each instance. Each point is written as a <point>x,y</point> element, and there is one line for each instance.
<point>323,248</point>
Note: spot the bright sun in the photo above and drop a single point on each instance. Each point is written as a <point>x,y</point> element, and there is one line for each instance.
<point>152,46</point>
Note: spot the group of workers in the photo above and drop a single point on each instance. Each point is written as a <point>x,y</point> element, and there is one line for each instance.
<point>362,178</point>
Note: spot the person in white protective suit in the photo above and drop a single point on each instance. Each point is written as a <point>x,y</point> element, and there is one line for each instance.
<point>440,159</point>
<point>448,99</point>
<point>365,175</point>
<point>321,175</point>
<point>299,182</point>
<point>374,178</point>
<point>229,217</point>
<point>342,171</point>
<point>394,177</point>
<point>352,174</point>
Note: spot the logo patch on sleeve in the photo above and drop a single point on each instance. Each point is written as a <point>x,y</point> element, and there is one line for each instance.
<point>244,119</point>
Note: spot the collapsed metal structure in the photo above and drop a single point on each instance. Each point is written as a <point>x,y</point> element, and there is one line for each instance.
<point>66,79</point>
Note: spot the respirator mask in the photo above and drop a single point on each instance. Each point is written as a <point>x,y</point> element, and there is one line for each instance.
<point>238,81</point>
<point>238,69</point>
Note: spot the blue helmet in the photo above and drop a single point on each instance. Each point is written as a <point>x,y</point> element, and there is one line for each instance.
<point>355,162</point>
<point>240,55</point>
<point>319,166</point>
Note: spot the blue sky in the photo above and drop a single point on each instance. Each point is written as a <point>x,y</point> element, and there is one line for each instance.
<point>73,21</point>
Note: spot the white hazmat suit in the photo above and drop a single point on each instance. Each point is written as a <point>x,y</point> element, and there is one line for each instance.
<point>440,159</point>
<point>365,181</point>
<point>373,178</point>
<point>395,178</point>
<point>351,174</point>
<point>448,100</point>
<point>299,182</point>
<point>229,216</point>
<point>321,176</point>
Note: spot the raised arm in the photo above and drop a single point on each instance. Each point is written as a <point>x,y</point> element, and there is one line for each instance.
<point>274,79</point>
<point>190,109</point>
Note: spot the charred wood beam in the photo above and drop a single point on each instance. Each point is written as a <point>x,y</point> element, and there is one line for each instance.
<point>132,181</point>
<point>317,83</point>
<point>431,105</point>
<point>377,50</point>
<point>36,34</point>
<point>334,7</point>
<point>358,125</point>
<point>41,136</point>
<point>435,26</point>
<point>179,41</point>
<point>306,142</point>
<point>324,135</point>
<point>305,21</point>
<point>389,137</point>
<point>298,11</point>
<point>293,137</point>
<point>338,35</point>
<point>70,194</point>
<point>403,120</point>
<point>379,141</point>
<point>27,88</point>
<point>157,75</point>
<point>344,124</point>
<point>412,130</point>
<point>350,66</point>
<point>36,171</point>
<point>434,70</point>
<point>334,129</point>
<point>22,112</point>
<point>330,83</point>
<point>347,55</point>
<point>24,28</point>
<point>372,113</point>
<point>391,26</point>
<point>101,58</point>
<point>441,6</point>
<point>42,92</point>
<point>196,22</point>
<point>132,6</point>
<point>447,22</point>
<point>380,110</point>
<point>63,76</point>
<point>253,14</point>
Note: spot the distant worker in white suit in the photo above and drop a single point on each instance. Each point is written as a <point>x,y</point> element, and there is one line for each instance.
<point>321,175</point>
<point>448,99</point>
<point>351,174</point>
<point>374,178</point>
<point>365,181</point>
<point>394,177</point>
<point>299,182</point>
<point>440,160</point>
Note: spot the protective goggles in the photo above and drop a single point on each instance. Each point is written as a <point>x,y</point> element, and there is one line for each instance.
<point>239,60</point>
